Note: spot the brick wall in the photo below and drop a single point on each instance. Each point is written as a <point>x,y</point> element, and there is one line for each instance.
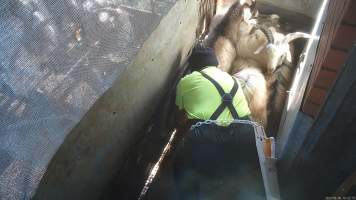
<point>337,38</point>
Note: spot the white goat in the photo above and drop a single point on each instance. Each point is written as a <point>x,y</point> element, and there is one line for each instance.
<point>269,54</point>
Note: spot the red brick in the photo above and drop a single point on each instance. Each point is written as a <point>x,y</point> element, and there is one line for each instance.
<point>345,37</point>
<point>335,59</point>
<point>311,109</point>
<point>350,15</point>
<point>317,95</point>
<point>325,78</point>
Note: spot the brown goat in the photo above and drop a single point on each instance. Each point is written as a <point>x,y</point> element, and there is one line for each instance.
<point>254,87</point>
<point>226,34</point>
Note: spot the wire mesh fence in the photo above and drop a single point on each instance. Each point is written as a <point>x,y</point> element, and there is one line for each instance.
<point>57,57</point>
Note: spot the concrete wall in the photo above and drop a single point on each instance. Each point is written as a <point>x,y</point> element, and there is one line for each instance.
<point>57,58</point>
<point>95,149</point>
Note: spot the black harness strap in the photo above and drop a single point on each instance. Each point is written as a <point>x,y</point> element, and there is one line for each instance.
<point>226,98</point>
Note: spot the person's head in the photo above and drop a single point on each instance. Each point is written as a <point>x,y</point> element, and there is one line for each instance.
<point>202,57</point>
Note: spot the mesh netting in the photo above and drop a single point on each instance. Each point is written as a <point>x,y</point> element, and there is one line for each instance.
<point>57,58</point>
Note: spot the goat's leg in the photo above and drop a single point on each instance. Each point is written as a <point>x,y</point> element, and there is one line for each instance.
<point>258,105</point>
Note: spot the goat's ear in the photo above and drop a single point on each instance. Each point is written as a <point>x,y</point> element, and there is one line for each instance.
<point>292,36</point>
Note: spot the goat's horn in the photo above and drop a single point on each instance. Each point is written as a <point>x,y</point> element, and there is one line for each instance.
<point>292,36</point>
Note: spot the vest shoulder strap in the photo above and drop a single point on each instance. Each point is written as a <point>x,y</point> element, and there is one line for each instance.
<point>226,98</point>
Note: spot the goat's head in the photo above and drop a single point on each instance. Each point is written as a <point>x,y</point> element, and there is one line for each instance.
<point>248,2</point>
<point>249,9</point>
<point>279,50</point>
<point>243,9</point>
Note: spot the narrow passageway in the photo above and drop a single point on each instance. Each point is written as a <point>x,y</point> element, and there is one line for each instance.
<point>88,87</point>
<point>163,186</point>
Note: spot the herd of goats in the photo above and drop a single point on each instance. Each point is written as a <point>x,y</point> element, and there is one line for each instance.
<point>254,48</point>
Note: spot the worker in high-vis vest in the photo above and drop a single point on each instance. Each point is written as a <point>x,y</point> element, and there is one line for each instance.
<point>205,160</point>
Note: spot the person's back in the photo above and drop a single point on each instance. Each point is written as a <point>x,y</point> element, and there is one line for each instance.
<point>199,98</point>
<point>214,154</point>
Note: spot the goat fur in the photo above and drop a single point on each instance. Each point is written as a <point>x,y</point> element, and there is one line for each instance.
<point>247,52</point>
<point>256,46</point>
<point>278,85</point>
<point>236,37</point>
<point>254,87</point>
<point>226,34</point>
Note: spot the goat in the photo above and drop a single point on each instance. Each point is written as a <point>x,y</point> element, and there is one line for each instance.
<point>280,54</point>
<point>227,33</point>
<point>222,8</point>
<point>237,36</point>
<point>266,94</point>
<point>251,47</point>
<point>269,55</point>
<point>254,87</point>
<point>269,89</point>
